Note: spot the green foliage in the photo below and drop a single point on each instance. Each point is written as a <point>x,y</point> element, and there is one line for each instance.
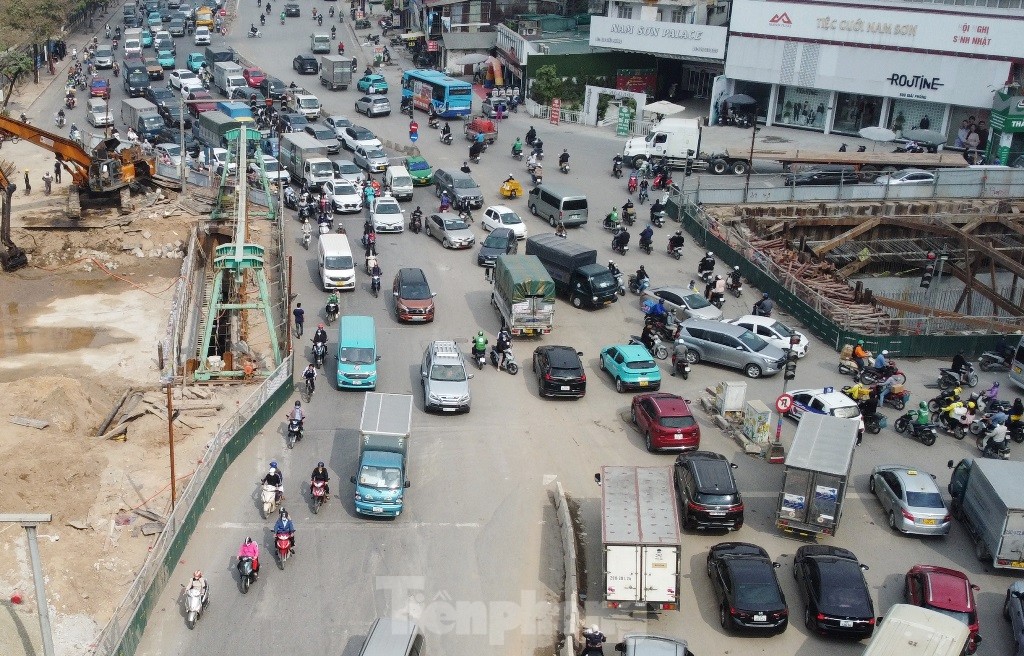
<point>547,85</point>
<point>13,64</point>
<point>602,106</point>
<point>389,5</point>
<point>33,20</point>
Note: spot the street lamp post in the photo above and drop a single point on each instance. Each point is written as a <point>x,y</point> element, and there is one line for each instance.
<point>750,160</point>
<point>29,521</point>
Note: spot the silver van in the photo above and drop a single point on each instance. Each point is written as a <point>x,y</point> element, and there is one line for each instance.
<point>729,345</point>
<point>394,637</point>
<point>558,204</point>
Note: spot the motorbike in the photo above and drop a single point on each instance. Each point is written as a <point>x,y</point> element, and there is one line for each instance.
<point>69,102</point>
<point>59,120</point>
<point>246,573</point>
<point>924,433</point>
<point>943,399</point>
<point>517,154</point>
<point>263,19</point>
<point>510,362</point>
<point>638,287</point>
<point>659,350</point>
<point>954,426</point>
<point>898,397</point>
<point>195,604</point>
<point>706,275</point>
<point>306,236</point>
<point>949,378</point>
<point>632,183</point>
<point>642,196</point>
<point>629,215</point>
<point>564,167</point>
<point>415,224</point>
<point>319,495</point>
<point>255,34</point>
<point>735,288</point>
<point>291,200</point>
<point>331,311</point>
<point>511,189</point>
<point>717,299</point>
<point>446,138</point>
<point>620,283</point>
<point>294,432</point>
<point>283,541</point>
<point>658,219</point>
<point>992,361</point>
<point>270,499</point>
<point>992,449</point>
<point>647,246</point>
<point>617,169</point>
<point>680,366</point>
<point>537,175</point>
<point>617,247</point>
<point>874,375</point>
<point>480,358</point>
<point>319,354</point>
<point>676,252</point>
<point>434,123</point>
<point>375,285</point>
<point>611,226</point>
<point>116,70</point>
<point>662,181</point>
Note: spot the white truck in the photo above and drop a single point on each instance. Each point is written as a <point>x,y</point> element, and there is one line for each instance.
<point>305,159</point>
<point>989,501</point>
<point>305,103</point>
<point>640,539</point>
<point>227,76</point>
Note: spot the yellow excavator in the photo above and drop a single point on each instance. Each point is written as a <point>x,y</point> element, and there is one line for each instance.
<point>12,258</point>
<point>103,171</point>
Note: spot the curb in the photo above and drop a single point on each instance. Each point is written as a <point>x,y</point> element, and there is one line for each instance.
<point>571,595</point>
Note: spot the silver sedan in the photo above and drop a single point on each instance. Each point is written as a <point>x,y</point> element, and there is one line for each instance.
<point>911,500</point>
<point>683,302</point>
<point>450,230</point>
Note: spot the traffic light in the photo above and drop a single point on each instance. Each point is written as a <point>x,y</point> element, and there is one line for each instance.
<point>929,271</point>
<point>689,166</point>
<point>791,359</point>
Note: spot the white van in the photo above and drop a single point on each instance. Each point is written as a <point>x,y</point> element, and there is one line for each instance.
<point>398,180</point>
<point>202,37</point>
<point>334,258</point>
<point>133,41</point>
<point>914,631</point>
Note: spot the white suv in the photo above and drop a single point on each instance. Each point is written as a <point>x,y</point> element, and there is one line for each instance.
<point>444,378</point>
<point>202,36</point>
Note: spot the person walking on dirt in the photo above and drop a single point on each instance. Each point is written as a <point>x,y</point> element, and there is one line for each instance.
<point>28,184</point>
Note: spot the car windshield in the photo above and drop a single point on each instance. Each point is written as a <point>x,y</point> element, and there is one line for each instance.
<point>186,75</point>
<point>604,280</point>
<point>375,154</point>
<point>348,168</point>
<point>464,183</point>
<point>388,208</point>
<point>401,181</point>
<point>695,301</point>
<point>415,291</point>
<point>362,134</point>
<point>420,165</point>
<point>510,218</point>
<point>310,103</point>
<point>752,341</point>
<point>455,224</point>
<point>782,329</point>
<point>353,355</point>
<point>448,372</point>
<point>381,478</point>
<point>640,365</point>
<point>338,262</point>
<point>380,101</point>
<point>324,135</point>
<point>104,51</point>
<point>924,500</point>
<point>343,189</point>
<point>846,412</point>
<point>957,615</point>
<point>321,168</point>
<point>271,166</point>
<point>677,422</point>
<point>715,499</point>
<point>496,241</point>
<point>172,149</point>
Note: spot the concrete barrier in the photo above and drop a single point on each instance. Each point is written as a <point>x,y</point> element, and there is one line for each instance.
<point>571,592</point>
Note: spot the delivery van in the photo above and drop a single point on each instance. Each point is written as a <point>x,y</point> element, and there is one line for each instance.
<point>334,259</point>
<point>914,631</point>
<point>357,353</point>
<point>398,180</point>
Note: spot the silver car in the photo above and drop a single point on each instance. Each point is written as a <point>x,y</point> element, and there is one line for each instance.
<point>732,346</point>
<point>1013,612</point>
<point>338,124</point>
<point>324,135</point>
<point>683,302</point>
<point>444,378</point>
<point>370,159</point>
<point>346,169</point>
<point>103,57</point>
<point>907,177</point>
<point>910,499</point>
<point>374,106</point>
<point>450,230</point>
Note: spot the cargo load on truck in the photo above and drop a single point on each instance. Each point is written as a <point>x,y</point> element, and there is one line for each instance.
<point>384,433</point>
<point>524,294</point>
<point>640,538</point>
<point>988,498</point>
<point>816,475</point>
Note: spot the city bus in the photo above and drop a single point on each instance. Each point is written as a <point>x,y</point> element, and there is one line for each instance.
<point>449,97</point>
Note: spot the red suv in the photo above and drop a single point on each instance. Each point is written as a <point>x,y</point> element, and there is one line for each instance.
<point>946,591</point>
<point>665,421</point>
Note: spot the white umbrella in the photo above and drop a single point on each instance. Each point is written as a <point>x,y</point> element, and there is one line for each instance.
<point>875,133</point>
<point>469,59</point>
<point>664,107</point>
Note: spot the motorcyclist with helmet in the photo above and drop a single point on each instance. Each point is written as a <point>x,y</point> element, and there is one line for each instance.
<point>517,147</point>
<point>647,236</point>
<point>764,307</point>
<point>250,549</point>
<point>647,336</point>
<point>614,270</point>
<point>621,240</point>
<point>960,365</point>
<point>734,278</point>
<point>881,361</point>
<point>861,355</point>
<point>706,264</point>
<point>285,525</point>
<point>479,345</point>
<point>676,241</point>
<point>320,475</point>
<point>594,642</point>
<point>642,279</point>
<point>503,345</point>
<point>320,336</point>
<point>275,479</point>
<point>199,582</point>
<point>628,212</point>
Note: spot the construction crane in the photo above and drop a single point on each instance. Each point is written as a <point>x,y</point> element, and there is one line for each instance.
<point>105,170</point>
<point>12,258</point>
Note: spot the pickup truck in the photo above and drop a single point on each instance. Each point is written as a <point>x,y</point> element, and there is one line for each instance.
<point>482,125</point>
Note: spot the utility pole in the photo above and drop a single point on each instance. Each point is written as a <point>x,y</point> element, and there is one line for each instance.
<point>29,521</point>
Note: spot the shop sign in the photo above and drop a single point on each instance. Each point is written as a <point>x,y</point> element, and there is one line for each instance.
<point>932,31</point>
<point>555,113</point>
<point>431,46</point>
<point>622,125</point>
<point>658,38</point>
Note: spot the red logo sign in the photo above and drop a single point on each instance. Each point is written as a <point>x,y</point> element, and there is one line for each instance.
<point>780,19</point>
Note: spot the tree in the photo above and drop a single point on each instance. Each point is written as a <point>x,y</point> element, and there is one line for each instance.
<point>13,64</point>
<point>25,23</point>
<point>546,85</point>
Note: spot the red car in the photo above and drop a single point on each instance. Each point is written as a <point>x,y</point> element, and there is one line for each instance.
<point>946,591</point>
<point>198,108</point>
<point>665,421</point>
<point>99,88</point>
<point>254,77</point>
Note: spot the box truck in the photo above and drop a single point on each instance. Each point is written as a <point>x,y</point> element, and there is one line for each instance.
<point>988,499</point>
<point>524,294</point>
<point>384,433</point>
<point>575,270</point>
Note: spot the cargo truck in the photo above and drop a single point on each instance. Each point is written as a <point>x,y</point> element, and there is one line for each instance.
<point>236,110</point>
<point>320,44</point>
<point>305,159</point>
<point>335,72</point>
<point>817,473</point>
<point>216,54</point>
<point>384,433</point>
<point>524,294</point>
<point>640,538</point>
<point>227,76</point>
<point>989,500</point>
<point>305,103</point>
<point>575,270</point>
<point>142,116</point>
<point>209,129</point>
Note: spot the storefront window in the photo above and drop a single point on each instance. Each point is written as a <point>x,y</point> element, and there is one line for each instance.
<point>801,107</point>
<point>762,93</point>
<point>914,114</point>
<point>960,120</point>
<point>854,111</point>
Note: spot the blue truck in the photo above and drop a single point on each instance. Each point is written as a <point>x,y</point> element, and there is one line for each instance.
<point>383,454</point>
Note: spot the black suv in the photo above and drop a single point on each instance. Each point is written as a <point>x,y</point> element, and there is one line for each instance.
<point>306,65</point>
<point>823,176</point>
<point>460,186</point>
<point>291,9</point>
<point>559,371</point>
<point>707,492</point>
<point>161,96</point>
<point>271,87</point>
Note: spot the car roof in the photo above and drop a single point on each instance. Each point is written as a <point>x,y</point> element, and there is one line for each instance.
<point>502,209</point>
<point>508,233</point>
<point>412,274</point>
<point>833,399</point>
<point>560,357</point>
<point>633,351</point>
<point>711,471</point>
<point>948,588</point>
<point>679,291</point>
<point>740,550</point>
<point>754,319</point>
<point>668,404</point>
<point>911,478</point>
<point>642,644</point>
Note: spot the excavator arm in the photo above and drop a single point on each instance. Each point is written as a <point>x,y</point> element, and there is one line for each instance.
<point>67,150</point>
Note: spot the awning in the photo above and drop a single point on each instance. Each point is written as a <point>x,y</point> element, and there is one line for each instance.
<point>664,107</point>
<point>411,35</point>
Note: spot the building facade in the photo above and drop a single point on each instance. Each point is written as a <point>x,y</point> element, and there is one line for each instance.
<point>838,67</point>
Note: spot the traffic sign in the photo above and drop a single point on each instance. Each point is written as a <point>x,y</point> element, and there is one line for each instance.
<point>784,403</point>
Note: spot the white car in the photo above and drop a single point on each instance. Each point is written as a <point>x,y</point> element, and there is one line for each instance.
<point>500,216</point>
<point>825,401</point>
<point>184,80</point>
<point>355,136</point>
<point>907,177</point>
<point>168,153</point>
<point>372,160</point>
<point>338,124</point>
<point>273,168</point>
<point>345,199</point>
<point>202,37</point>
<point>774,332</point>
<point>220,157</point>
<point>386,215</point>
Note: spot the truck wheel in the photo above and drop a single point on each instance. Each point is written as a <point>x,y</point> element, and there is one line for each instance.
<point>552,222</point>
<point>638,161</point>
<point>980,551</point>
<point>740,167</point>
<point>719,166</point>
<point>576,301</point>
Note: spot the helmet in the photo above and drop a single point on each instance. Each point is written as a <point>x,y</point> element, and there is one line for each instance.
<point>298,403</point>
<point>611,263</point>
<point>642,268</point>
<point>198,574</point>
<point>860,342</point>
<point>764,295</point>
<point>284,514</point>
<point>273,464</point>
<point>735,268</point>
<point>320,464</point>
<point>480,334</point>
<point>971,405</point>
<point>923,405</point>
<point>248,540</point>
<point>594,629</point>
<point>885,352</point>
<point>565,150</point>
<point>709,254</point>
<point>679,233</point>
<point>718,277</point>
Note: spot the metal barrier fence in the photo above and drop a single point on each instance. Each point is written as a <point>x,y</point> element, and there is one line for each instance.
<point>123,632</point>
<point>925,336</point>
<point>769,188</point>
<point>178,335</point>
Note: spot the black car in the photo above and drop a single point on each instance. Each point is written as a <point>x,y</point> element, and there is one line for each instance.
<point>747,590</point>
<point>707,491</point>
<point>161,96</point>
<point>501,241</point>
<point>292,122</point>
<point>245,94</point>
<point>836,597</point>
<point>291,9</point>
<point>271,87</point>
<point>172,135</point>
<point>305,65</point>
<point>172,116</point>
<point>559,369</point>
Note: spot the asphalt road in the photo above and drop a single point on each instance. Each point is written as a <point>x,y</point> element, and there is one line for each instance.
<point>475,556</point>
